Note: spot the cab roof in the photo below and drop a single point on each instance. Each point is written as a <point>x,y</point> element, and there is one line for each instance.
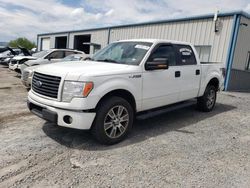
<point>156,41</point>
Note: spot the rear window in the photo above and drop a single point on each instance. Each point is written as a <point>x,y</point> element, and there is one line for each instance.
<point>186,55</point>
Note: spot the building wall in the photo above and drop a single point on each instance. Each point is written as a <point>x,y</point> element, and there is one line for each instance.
<point>52,40</point>
<point>97,36</point>
<point>239,76</point>
<point>242,45</point>
<point>198,32</point>
<point>239,80</point>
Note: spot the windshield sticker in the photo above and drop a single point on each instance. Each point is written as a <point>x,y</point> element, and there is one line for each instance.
<point>185,52</point>
<point>142,47</point>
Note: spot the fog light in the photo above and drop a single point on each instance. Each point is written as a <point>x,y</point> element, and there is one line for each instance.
<point>67,119</point>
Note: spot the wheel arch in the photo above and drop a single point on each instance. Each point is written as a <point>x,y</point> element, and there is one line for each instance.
<point>123,93</point>
<point>215,82</point>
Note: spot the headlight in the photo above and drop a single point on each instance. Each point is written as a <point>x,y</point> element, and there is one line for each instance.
<point>31,73</point>
<point>76,89</point>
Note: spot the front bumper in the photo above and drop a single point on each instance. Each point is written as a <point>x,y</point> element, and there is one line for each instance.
<point>80,120</point>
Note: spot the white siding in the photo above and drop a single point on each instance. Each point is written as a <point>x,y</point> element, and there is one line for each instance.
<point>198,32</point>
<point>242,45</point>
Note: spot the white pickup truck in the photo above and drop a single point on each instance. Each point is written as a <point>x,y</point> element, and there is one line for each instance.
<point>105,93</point>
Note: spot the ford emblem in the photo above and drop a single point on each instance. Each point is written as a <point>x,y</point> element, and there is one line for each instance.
<point>38,83</point>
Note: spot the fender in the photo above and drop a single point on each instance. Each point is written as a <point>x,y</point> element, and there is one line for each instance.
<point>205,82</point>
<point>120,83</point>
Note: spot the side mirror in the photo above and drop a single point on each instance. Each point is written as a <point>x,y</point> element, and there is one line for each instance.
<point>49,58</point>
<point>157,64</point>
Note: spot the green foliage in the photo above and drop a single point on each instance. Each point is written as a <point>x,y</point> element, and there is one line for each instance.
<point>23,42</point>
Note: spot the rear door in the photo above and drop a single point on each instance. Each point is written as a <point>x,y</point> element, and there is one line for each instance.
<point>161,87</point>
<point>190,73</point>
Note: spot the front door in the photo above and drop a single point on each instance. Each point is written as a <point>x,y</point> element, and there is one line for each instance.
<point>161,87</point>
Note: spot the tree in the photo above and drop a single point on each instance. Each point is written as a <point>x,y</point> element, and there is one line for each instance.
<point>23,42</point>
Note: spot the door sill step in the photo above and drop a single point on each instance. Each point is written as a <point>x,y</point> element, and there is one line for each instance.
<point>162,110</point>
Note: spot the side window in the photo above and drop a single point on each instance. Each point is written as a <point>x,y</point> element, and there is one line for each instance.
<point>56,55</point>
<point>186,55</point>
<point>69,53</point>
<point>164,51</point>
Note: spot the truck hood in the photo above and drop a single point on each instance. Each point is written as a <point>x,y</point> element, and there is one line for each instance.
<point>32,68</point>
<point>77,69</point>
<point>18,58</point>
<point>37,61</point>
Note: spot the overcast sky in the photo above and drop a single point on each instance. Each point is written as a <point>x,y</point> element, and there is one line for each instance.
<point>27,18</point>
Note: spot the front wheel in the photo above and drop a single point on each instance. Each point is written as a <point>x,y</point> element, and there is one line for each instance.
<point>114,119</point>
<point>206,102</point>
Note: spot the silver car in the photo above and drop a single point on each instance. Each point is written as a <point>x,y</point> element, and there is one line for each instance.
<point>28,71</point>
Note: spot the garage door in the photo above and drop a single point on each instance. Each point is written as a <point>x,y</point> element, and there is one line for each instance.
<point>45,44</point>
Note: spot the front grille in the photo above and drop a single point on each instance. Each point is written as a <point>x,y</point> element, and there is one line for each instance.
<point>25,75</point>
<point>46,85</point>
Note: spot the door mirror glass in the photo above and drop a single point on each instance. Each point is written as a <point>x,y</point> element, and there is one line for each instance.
<point>157,64</point>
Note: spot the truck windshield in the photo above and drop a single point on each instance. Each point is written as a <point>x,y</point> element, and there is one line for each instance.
<point>130,53</point>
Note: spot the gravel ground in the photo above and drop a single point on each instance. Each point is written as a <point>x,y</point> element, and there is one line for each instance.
<point>184,148</point>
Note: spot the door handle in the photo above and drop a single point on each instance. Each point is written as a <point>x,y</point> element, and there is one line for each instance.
<point>177,74</point>
<point>197,72</point>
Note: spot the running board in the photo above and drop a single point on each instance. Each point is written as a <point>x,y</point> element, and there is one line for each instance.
<point>163,110</point>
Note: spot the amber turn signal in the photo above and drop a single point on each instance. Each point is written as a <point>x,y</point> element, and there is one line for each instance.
<point>87,89</point>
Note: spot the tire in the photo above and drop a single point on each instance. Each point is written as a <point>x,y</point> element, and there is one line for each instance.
<point>114,120</point>
<point>207,102</point>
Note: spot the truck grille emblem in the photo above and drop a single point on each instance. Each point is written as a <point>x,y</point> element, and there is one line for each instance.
<point>38,83</point>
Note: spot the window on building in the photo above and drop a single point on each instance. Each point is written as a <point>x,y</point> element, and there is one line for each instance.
<point>204,53</point>
<point>248,62</point>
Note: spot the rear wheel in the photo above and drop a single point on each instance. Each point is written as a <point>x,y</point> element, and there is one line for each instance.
<point>114,119</point>
<point>207,101</point>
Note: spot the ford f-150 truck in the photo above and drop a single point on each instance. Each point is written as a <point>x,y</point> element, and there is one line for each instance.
<point>105,93</point>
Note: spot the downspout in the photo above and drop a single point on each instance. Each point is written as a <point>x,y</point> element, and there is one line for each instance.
<point>68,40</point>
<point>109,31</point>
<point>37,38</point>
<point>231,51</point>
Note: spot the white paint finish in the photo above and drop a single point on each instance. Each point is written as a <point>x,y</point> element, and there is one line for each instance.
<point>156,88</point>
<point>45,43</point>
<point>242,46</point>
<point>189,81</point>
<point>150,89</point>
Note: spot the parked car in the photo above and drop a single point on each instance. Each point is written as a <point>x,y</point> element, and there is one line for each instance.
<point>8,54</point>
<point>47,56</point>
<point>28,71</point>
<point>123,80</point>
<point>15,62</point>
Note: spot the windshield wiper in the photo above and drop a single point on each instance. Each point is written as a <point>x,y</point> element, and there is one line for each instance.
<point>107,60</point>
<point>88,58</point>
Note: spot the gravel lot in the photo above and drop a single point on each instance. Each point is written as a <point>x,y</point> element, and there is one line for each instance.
<point>184,148</point>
